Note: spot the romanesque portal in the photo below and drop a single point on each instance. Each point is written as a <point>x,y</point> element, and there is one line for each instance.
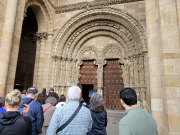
<point>120,61</point>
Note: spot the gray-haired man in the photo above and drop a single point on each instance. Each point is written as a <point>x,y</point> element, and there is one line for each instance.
<point>82,122</point>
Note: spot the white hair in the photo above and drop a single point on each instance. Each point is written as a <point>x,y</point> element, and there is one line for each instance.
<point>74,93</point>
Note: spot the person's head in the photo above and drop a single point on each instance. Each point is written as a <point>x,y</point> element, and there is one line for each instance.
<point>42,98</point>
<point>81,100</point>
<point>24,92</point>
<point>13,99</point>
<point>51,100</point>
<point>2,102</point>
<point>74,93</point>
<point>62,98</point>
<point>52,94</point>
<point>128,97</point>
<point>51,89</point>
<point>44,90</point>
<point>96,103</point>
<point>32,92</point>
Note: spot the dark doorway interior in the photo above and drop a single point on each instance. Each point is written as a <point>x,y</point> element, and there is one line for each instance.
<point>87,91</point>
<point>27,52</point>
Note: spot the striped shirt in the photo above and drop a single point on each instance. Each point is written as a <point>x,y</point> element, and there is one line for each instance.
<point>80,125</point>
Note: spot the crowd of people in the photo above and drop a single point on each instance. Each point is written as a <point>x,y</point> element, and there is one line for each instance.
<point>27,113</point>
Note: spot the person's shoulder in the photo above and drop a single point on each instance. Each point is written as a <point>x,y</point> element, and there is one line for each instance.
<point>37,105</point>
<point>85,109</point>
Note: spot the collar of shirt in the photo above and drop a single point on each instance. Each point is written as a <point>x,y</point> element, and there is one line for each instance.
<point>73,101</point>
<point>132,109</point>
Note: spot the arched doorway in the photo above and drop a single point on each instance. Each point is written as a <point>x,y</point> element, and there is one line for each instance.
<point>27,52</point>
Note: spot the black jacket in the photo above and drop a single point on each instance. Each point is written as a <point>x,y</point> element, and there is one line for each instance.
<point>99,123</point>
<point>20,125</point>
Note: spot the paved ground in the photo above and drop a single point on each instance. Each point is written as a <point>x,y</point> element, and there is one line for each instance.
<point>113,122</point>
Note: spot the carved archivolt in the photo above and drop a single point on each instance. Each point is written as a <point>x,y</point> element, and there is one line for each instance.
<point>94,34</point>
<point>114,19</point>
<point>88,52</point>
<point>112,51</point>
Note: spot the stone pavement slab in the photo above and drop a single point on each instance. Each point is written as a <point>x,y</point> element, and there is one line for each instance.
<point>113,122</point>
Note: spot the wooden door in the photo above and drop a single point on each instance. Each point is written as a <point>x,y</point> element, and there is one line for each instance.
<point>88,74</point>
<point>27,52</point>
<point>113,83</point>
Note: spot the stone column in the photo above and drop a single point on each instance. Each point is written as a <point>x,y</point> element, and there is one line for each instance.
<point>78,65</point>
<point>54,69</point>
<point>141,70</point>
<point>68,71</point>
<point>36,66</point>
<point>164,60</point>
<point>42,36</point>
<point>100,63</point>
<point>132,71</point>
<point>63,71</point>
<point>58,70</point>
<point>126,71</point>
<point>6,43</point>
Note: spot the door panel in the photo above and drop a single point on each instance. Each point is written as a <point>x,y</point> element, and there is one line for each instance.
<point>113,83</point>
<point>88,74</point>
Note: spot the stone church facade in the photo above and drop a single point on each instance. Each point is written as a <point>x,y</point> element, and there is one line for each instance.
<point>100,46</point>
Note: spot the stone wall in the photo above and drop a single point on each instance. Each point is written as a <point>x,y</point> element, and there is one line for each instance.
<point>136,9</point>
<point>164,54</point>
<point>3,7</point>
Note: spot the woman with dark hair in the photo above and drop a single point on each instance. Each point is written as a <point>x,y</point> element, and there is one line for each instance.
<point>2,102</point>
<point>98,114</point>
<point>42,97</point>
<point>61,102</point>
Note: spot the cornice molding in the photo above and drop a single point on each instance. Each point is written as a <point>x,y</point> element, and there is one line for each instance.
<point>88,5</point>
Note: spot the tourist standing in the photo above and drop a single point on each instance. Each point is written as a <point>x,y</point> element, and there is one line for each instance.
<point>35,111</point>
<point>23,94</point>
<point>62,101</point>
<point>12,122</point>
<point>136,121</point>
<point>82,102</point>
<point>48,110</point>
<point>80,124</point>
<point>42,97</point>
<point>2,102</point>
<point>98,114</point>
<point>51,90</point>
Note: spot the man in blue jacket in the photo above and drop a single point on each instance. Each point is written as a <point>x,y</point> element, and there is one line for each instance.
<point>35,111</point>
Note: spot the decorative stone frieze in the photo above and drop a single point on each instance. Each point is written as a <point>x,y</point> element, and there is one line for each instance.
<point>87,5</point>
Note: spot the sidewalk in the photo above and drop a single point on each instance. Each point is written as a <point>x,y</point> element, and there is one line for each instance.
<point>113,122</point>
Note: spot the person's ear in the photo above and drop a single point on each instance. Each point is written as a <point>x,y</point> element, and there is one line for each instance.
<point>20,103</point>
<point>6,103</point>
<point>122,102</point>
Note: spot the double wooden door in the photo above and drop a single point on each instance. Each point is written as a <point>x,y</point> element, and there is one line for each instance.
<point>113,83</point>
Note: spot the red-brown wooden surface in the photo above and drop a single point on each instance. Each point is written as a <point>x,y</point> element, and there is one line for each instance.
<point>88,74</point>
<point>113,83</point>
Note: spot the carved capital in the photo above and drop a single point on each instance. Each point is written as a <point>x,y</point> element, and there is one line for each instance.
<point>100,61</point>
<point>42,36</point>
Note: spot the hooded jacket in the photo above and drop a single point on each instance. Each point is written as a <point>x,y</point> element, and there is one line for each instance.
<point>20,125</point>
<point>36,115</point>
